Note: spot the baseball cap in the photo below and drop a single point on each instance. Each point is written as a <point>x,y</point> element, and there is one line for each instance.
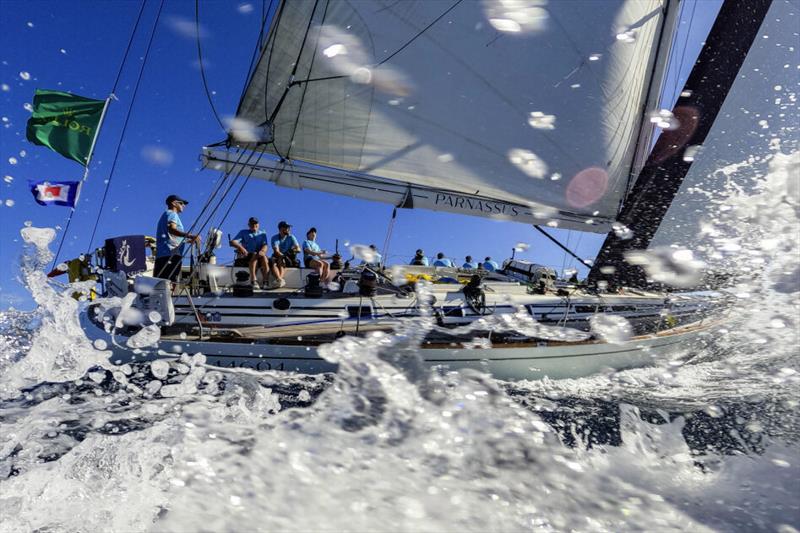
<point>175,198</point>
<point>253,220</point>
<point>284,224</point>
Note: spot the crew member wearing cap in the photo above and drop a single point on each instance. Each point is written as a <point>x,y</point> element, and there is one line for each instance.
<point>419,259</point>
<point>284,248</point>
<point>490,265</point>
<point>442,261</point>
<point>171,240</point>
<point>251,248</point>
<point>312,256</point>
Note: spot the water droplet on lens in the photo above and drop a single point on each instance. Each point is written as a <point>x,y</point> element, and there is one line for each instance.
<point>541,121</point>
<point>611,328</point>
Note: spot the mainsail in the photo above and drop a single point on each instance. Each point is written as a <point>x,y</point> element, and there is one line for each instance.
<point>517,110</point>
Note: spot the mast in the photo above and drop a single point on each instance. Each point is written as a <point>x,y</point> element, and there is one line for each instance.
<point>710,80</point>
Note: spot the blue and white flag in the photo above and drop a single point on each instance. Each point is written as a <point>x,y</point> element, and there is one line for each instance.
<point>55,192</point>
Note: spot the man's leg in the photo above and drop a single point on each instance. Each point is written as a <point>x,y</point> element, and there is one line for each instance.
<point>262,265</point>
<point>251,264</point>
<point>326,270</point>
<point>159,267</point>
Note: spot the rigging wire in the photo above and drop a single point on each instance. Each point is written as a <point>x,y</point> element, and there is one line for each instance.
<point>113,90</point>
<point>128,48</point>
<point>564,259</point>
<point>683,53</point>
<point>125,124</point>
<point>390,56</point>
<point>259,44</point>
<point>558,243</point>
<point>241,188</point>
<point>278,17</point>
<point>203,70</point>
<point>310,69</point>
<point>222,199</point>
<point>296,64</point>
<point>388,238</point>
<point>426,28</point>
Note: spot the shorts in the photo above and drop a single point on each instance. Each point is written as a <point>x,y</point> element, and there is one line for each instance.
<point>168,267</point>
<point>244,261</point>
<point>307,261</point>
<point>286,261</point>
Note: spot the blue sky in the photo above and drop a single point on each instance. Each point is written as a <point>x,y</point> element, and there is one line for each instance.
<point>77,46</point>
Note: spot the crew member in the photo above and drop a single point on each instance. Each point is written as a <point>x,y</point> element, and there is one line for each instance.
<point>490,265</point>
<point>78,269</point>
<point>171,240</point>
<point>376,258</point>
<point>284,250</point>
<point>469,263</point>
<point>312,257</point>
<point>251,248</point>
<point>442,261</point>
<point>419,259</point>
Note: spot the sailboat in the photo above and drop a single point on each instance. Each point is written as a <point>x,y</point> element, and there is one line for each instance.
<point>519,111</point>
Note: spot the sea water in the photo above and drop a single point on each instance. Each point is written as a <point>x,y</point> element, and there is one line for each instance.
<point>705,443</point>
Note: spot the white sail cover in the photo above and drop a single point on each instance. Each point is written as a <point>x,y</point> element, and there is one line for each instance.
<point>514,109</point>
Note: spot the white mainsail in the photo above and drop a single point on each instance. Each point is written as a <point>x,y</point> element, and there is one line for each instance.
<point>512,109</point>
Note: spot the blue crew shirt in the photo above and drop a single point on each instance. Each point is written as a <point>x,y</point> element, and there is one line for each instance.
<point>308,244</point>
<point>444,262</point>
<point>166,243</point>
<point>284,244</point>
<point>252,241</point>
<point>491,266</point>
<point>469,265</point>
<point>424,261</point>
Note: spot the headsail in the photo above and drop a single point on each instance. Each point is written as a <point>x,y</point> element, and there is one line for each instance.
<point>534,105</point>
<point>714,74</point>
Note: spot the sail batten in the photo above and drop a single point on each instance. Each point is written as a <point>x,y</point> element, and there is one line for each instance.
<point>541,108</point>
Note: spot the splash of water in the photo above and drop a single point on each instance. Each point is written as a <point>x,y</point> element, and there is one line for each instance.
<point>189,447</point>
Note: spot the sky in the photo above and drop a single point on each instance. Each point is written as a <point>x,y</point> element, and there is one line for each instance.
<point>78,46</point>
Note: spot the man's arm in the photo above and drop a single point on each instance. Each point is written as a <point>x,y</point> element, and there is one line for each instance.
<point>238,247</point>
<point>309,251</point>
<point>173,230</point>
<point>276,248</point>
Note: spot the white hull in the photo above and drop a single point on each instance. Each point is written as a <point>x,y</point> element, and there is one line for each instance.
<point>507,362</point>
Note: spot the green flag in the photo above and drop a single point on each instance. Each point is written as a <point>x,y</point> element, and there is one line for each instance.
<point>65,123</point>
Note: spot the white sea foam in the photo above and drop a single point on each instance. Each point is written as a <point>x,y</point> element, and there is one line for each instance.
<point>387,444</point>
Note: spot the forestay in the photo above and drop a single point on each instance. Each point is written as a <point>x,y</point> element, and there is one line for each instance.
<point>514,109</point>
